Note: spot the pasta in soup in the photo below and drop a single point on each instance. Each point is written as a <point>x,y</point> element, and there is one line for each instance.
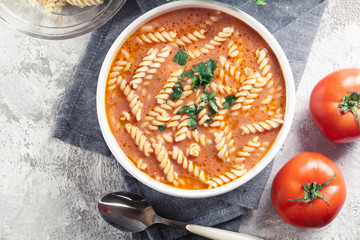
<point>195,98</point>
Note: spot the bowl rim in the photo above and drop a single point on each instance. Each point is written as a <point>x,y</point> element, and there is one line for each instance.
<point>123,159</point>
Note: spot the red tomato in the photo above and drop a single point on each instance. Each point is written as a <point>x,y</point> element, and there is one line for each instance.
<point>329,117</point>
<point>307,168</point>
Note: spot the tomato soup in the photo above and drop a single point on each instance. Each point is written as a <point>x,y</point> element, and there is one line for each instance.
<point>195,98</point>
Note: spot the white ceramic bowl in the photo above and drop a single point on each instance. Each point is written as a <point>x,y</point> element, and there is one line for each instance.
<point>119,154</point>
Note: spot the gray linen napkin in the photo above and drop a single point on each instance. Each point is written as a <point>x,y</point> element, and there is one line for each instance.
<point>294,24</point>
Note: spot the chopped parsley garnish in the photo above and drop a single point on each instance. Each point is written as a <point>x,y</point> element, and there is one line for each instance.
<point>230,100</point>
<point>158,79</point>
<point>191,111</point>
<point>205,72</point>
<point>208,121</point>
<point>182,110</point>
<point>165,89</point>
<point>161,128</point>
<point>201,75</point>
<point>192,122</point>
<point>181,56</point>
<point>207,97</point>
<point>178,89</point>
<point>210,99</point>
<point>211,113</point>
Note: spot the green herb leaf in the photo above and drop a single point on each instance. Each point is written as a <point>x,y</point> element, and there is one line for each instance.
<point>189,74</point>
<point>260,2</point>
<point>204,73</point>
<point>199,67</point>
<point>191,122</point>
<point>212,95</point>
<point>165,89</point>
<point>182,110</point>
<point>230,100</point>
<point>158,79</point>
<point>181,79</point>
<point>191,111</point>
<point>201,108</point>
<point>192,108</point>
<point>161,128</point>
<point>177,91</point>
<point>200,75</point>
<point>208,97</point>
<point>204,97</point>
<point>180,57</point>
<point>213,106</point>
<point>211,65</point>
<point>208,121</point>
<point>211,113</point>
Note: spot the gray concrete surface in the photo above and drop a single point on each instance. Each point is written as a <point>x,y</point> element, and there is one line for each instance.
<point>49,189</point>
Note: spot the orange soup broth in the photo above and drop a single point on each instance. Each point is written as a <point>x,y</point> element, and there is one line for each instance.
<point>183,22</point>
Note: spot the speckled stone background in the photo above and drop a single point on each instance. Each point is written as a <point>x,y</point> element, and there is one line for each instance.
<point>49,189</point>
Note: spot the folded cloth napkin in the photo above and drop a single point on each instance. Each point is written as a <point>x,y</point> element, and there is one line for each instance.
<point>294,24</point>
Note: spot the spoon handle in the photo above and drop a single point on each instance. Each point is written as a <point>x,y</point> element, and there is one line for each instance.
<point>208,232</point>
<point>218,234</point>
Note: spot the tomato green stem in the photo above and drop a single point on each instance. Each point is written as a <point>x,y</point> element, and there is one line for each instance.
<point>312,191</point>
<point>351,103</point>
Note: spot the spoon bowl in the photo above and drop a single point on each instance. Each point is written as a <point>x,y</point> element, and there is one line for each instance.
<point>132,213</point>
<point>126,211</point>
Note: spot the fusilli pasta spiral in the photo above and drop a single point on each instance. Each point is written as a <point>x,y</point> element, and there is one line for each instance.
<point>233,49</point>
<point>84,3</point>
<point>156,37</point>
<point>166,90</point>
<point>221,146</point>
<point>253,92</point>
<point>180,135</point>
<point>143,67</point>
<point>157,117</point>
<point>165,164</point>
<point>198,137</point>
<point>263,62</point>
<point>160,58</point>
<point>190,37</point>
<point>262,126</point>
<point>248,92</point>
<point>193,150</point>
<point>215,42</point>
<point>133,99</point>
<point>212,19</point>
<point>222,89</point>
<point>140,139</point>
<point>246,150</point>
<point>51,6</point>
<point>118,67</point>
<point>227,177</point>
<point>181,159</point>
<point>236,74</point>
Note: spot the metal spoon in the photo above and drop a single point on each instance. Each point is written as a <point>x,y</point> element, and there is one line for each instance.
<point>132,213</point>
